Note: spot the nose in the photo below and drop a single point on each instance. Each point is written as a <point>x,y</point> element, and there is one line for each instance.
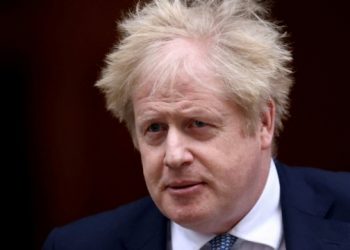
<point>177,153</point>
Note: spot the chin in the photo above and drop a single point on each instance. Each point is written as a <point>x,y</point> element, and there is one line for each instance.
<point>191,216</point>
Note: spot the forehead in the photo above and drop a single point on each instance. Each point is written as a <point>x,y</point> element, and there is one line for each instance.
<point>184,100</point>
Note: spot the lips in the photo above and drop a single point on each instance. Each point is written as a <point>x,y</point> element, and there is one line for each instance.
<point>184,187</point>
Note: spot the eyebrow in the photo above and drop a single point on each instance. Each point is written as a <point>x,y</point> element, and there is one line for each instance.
<point>152,113</point>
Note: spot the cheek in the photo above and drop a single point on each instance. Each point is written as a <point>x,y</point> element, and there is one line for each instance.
<point>234,158</point>
<point>151,165</point>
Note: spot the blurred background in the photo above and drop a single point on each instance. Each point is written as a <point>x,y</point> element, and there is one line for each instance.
<point>66,157</point>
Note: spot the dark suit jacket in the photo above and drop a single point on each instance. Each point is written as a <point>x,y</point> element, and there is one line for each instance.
<point>315,209</point>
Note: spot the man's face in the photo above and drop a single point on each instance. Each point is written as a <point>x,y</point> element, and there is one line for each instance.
<point>201,169</point>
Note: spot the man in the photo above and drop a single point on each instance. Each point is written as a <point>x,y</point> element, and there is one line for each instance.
<point>203,89</point>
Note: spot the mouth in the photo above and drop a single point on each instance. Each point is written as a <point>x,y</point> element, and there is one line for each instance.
<point>184,187</point>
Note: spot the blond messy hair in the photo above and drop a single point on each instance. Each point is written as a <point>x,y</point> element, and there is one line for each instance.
<point>243,49</point>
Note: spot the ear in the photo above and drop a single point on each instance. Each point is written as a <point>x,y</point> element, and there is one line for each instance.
<point>267,124</point>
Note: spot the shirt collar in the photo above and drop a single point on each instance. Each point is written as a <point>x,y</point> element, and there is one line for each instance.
<point>265,217</point>
<point>263,223</point>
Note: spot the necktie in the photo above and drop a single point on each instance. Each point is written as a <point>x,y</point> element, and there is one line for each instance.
<point>222,242</point>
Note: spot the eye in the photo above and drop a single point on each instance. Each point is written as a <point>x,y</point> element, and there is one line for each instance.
<point>155,127</point>
<point>199,124</point>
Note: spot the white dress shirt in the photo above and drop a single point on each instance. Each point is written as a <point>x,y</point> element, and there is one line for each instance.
<point>260,229</point>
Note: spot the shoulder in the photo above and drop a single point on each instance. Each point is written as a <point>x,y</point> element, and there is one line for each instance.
<point>305,187</point>
<point>105,230</point>
<point>319,180</point>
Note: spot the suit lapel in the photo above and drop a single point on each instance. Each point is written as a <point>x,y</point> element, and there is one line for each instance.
<point>150,233</point>
<point>304,211</point>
